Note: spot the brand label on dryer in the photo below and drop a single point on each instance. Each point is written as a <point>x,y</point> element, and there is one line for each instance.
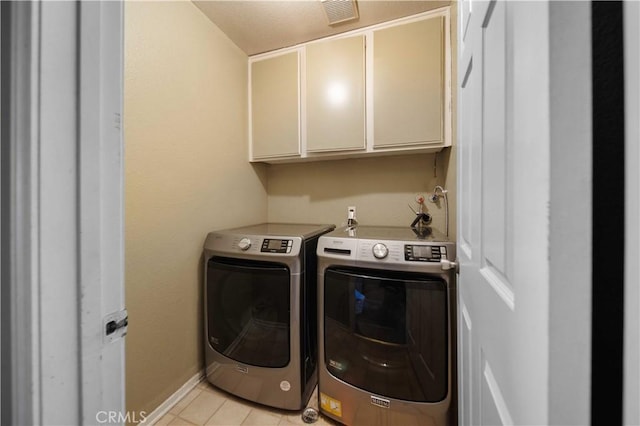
<point>330,405</point>
<point>242,369</point>
<point>285,385</point>
<point>384,403</point>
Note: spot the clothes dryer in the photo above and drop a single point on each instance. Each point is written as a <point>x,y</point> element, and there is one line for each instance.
<point>261,312</point>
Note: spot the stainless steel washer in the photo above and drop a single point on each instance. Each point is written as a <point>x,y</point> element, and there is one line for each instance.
<point>387,302</point>
<point>261,310</point>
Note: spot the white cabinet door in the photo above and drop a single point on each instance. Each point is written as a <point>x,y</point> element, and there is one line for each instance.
<point>408,84</point>
<point>381,90</point>
<point>335,96</point>
<point>275,112</point>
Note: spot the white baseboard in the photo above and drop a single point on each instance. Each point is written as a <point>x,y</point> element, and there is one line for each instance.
<point>164,408</point>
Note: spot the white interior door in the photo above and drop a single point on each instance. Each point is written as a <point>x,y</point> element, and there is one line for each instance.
<point>505,133</point>
<point>493,314</point>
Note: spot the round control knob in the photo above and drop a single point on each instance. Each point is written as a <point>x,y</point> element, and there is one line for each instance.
<point>244,244</point>
<point>380,251</point>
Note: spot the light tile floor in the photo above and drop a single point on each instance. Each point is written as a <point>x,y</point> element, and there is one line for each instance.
<point>206,405</point>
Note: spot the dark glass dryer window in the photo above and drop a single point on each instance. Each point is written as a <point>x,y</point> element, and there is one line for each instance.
<point>387,333</point>
<point>248,311</point>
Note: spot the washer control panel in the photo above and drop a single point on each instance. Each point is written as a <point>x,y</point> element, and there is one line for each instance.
<point>276,246</point>
<point>424,253</point>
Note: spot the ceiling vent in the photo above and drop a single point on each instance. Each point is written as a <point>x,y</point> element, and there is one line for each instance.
<point>339,11</point>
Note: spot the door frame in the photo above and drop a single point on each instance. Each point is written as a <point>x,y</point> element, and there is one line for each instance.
<point>20,383</point>
<point>631,368</point>
<point>62,223</point>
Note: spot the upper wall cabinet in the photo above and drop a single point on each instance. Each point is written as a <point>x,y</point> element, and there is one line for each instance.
<point>380,90</point>
<point>408,84</point>
<point>275,113</point>
<point>335,96</point>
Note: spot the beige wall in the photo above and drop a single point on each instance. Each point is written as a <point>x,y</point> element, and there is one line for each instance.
<point>381,189</point>
<point>186,173</point>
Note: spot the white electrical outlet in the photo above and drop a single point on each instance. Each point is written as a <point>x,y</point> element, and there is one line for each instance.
<point>351,216</point>
<point>351,212</point>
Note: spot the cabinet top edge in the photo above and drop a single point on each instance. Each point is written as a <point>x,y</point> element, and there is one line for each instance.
<point>444,12</point>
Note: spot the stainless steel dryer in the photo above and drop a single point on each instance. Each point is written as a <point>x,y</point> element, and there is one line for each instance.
<point>261,312</point>
<point>387,300</point>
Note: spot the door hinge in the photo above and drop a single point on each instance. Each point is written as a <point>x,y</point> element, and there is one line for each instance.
<point>114,326</point>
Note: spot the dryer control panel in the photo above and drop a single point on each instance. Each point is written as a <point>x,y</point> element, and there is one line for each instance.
<point>424,253</point>
<point>270,245</point>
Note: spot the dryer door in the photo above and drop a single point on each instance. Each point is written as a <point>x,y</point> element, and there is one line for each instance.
<point>248,311</point>
<point>387,333</point>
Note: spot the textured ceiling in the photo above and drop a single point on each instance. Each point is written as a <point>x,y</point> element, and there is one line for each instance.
<point>259,26</point>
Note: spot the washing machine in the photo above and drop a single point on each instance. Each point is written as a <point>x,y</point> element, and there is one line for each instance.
<point>260,312</point>
<point>386,317</point>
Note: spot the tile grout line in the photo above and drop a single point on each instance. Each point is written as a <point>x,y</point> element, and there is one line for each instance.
<point>218,409</point>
